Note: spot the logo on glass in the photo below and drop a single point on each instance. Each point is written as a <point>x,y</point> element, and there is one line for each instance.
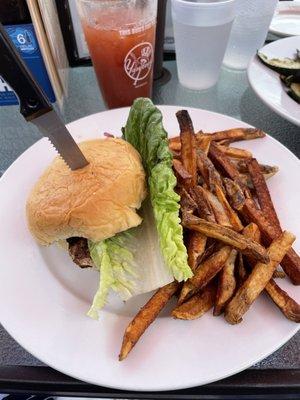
<point>138,62</point>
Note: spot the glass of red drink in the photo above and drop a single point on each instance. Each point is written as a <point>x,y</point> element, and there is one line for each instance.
<point>121,36</point>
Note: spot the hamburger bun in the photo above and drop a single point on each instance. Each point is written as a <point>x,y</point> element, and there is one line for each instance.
<point>95,202</point>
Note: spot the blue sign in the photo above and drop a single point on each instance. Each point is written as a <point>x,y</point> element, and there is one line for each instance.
<point>24,38</point>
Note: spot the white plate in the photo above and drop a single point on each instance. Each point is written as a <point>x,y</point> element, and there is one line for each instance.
<point>44,297</point>
<point>266,83</point>
<point>286,20</point>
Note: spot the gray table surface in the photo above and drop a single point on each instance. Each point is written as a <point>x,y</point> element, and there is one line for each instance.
<point>232,96</point>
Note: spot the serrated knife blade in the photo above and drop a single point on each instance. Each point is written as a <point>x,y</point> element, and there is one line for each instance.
<point>51,126</point>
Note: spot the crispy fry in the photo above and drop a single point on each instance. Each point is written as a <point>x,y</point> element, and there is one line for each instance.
<point>258,279</point>
<point>279,274</point>
<point>291,266</point>
<point>242,167</point>
<point>218,209</point>
<point>174,146</point>
<point>237,134</point>
<point>247,181</point>
<point>195,248</point>
<point>227,236</point>
<point>230,135</point>
<point>286,304</point>
<point>224,142</point>
<point>226,283</point>
<point>269,175</point>
<point>188,145</point>
<point>203,206</point>
<point>208,171</point>
<point>291,261</point>
<point>145,317</point>
<point>197,305</point>
<point>204,274</point>
<point>187,203</point>
<point>289,307</point>
<point>224,162</point>
<point>180,171</point>
<point>228,166</point>
<point>174,139</point>
<point>235,152</point>
<point>209,251</point>
<point>252,231</point>
<point>263,194</point>
<point>241,270</point>
<point>203,143</point>
<point>235,194</point>
<point>176,154</point>
<point>232,215</point>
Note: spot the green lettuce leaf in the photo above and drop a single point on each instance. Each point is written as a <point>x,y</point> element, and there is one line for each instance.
<point>115,261</point>
<point>129,263</point>
<point>145,131</point>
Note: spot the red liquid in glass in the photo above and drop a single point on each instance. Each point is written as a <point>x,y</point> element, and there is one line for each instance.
<point>123,61</point>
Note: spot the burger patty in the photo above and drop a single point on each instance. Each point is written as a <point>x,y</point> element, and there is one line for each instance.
<point>79,252</point>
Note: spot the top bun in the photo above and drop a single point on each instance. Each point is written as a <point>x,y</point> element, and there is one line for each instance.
<point>94,202</point>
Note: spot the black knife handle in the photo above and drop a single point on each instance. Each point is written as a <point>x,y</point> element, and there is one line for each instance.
<point>33,101</point>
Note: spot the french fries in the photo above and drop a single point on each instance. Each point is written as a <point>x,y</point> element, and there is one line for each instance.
<point>221,188</point>
<point>197,305</point>
<point>203,143</point>
<point>241,198</point>
<point>174,146</point>
<point>289,307</point>
<point>224,163</point>
<point>187,203</point>
<point>227,236</point>
<point>195,248</point>
<point>203,206</point>
<point>237,134</point>
<point>235,152</point>
<point>286,304</point>
<point>226,283</point>
<point>241,270</point>
<point>252,231</point>
<point>258,279</point>
<point>145,317</point>
<point>188,145</point>
<point>180,171</point>
<point>228,167</point>
<point>234,220</point>
<point>291,261</point>
<point>235,194</point>
<point>208,171</point>
<point>204,274</point>
<point>279,274</point>
<point>263,194</point>
<point>230,135</point>
<point>242,167</point>
<point>218,209</point>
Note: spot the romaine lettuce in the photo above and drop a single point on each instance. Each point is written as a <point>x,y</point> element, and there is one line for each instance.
<point>145,131</point>
<point>115,261</point>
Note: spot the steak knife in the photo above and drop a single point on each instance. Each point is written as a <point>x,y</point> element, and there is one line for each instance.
<point>34,104</point>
